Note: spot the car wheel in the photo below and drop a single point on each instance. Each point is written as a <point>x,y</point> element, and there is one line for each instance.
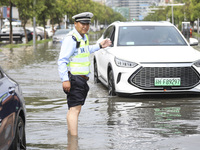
<point>96,79</point>
<point>19,142</point>
<point>111,85</point>
<point>23,39</point>
<point>39,37</point>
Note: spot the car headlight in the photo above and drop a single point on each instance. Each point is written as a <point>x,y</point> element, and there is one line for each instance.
<point>123,63</point>
<point>197,63</point>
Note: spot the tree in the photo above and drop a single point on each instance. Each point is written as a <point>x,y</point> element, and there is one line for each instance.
<point>9,3</point>
<point>50,9</point>
<point>55,10</point>
<point>180,13</point>
<point>42,14</point>
<point>195,7</point>
<point>25,9</point>
<point>11,29</point>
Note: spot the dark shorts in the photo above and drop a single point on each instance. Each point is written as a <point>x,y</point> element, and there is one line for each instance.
<point>78,91</point>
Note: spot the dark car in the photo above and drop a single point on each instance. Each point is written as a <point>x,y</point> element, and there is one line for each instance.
<point>39,31</point>
<point>29,35</point>
<point>12,114</point>
<point>18,34</point>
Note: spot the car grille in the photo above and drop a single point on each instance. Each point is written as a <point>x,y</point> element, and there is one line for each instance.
<point>144,77</point>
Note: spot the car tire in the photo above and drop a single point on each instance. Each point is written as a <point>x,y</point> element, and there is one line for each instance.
<point>23,39</point>
<point>111,85</point>
<point>19,142</point>
<point>96,79</point>
<point>39,37</point>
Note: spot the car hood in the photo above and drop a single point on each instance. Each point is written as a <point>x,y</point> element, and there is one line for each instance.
<point>60,35</point>
<point>156,53</point>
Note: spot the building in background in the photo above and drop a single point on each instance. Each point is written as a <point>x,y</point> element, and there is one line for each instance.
<point>138,9</point>
<point>166,1</point>
<point>5,14</point>
<point>100,1</point>
<point>133,9</point>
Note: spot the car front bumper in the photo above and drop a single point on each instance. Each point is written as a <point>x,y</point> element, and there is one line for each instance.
<point>140,80</point>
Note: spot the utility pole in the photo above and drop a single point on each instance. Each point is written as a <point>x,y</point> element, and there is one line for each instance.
<point>198,26</point>
<point>172,14</point>
<point>34,23</point>
<point>181,4</point>
<point>11,29</point>
<point>172,5</point>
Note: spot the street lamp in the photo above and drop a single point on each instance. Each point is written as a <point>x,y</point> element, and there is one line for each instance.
<point>181,4</point>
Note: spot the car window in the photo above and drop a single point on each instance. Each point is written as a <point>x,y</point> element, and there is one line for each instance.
<point>40,29</point>
<point>149,36</point>
<point>1,74</point>
<point>62,31</point>
<point>112,36</point>
<point>108,32</point>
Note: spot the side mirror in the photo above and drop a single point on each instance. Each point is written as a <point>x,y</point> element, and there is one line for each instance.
<point>193,42</point>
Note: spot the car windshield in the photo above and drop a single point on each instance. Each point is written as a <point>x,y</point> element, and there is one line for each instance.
<point>149,36</point>
<point>62,31</point>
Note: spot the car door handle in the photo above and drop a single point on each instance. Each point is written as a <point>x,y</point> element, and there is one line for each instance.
<point>11,90</point>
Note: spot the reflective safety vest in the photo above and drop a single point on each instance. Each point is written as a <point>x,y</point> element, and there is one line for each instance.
<point>80,63</point>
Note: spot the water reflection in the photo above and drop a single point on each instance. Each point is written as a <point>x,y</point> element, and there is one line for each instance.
<point>72,142</point>
<point>143,121</point>
<point>166,117</point>
<point>105,122</point>
<point>20,57</point>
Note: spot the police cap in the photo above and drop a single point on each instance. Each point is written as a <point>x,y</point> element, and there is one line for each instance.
<point>84,17</point>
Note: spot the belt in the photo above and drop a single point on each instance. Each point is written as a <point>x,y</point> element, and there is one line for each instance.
<point>85,77</point>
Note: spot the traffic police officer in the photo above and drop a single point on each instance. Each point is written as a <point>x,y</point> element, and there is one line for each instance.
<point>74,67</point>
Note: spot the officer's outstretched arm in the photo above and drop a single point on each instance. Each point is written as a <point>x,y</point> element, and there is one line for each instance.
<point>105,43</point>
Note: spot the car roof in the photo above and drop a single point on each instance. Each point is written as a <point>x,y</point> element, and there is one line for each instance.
<point>143,23</point>
<point>62,29</point>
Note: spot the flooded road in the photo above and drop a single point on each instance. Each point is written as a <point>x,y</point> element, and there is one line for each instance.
<point>105,123</point>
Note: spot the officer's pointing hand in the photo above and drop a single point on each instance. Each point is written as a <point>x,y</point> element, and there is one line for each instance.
<point>105,43</point>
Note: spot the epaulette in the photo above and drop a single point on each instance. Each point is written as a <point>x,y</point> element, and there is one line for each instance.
<point>77,42</point>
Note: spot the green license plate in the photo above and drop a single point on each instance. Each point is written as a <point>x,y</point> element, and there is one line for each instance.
<point>167,81</point>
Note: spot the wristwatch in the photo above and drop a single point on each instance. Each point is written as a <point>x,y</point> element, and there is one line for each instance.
<point>100,45</point>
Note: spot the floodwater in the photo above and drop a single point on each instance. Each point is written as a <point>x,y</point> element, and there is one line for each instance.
<point>105,123</point>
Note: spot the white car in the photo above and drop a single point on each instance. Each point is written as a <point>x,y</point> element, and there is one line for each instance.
<point>59,35</point>
<point>39,31</point>
<point>49,31</point>
<point>147,58</point>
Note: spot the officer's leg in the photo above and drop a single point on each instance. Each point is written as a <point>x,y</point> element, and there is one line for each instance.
<point>72,119</point>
